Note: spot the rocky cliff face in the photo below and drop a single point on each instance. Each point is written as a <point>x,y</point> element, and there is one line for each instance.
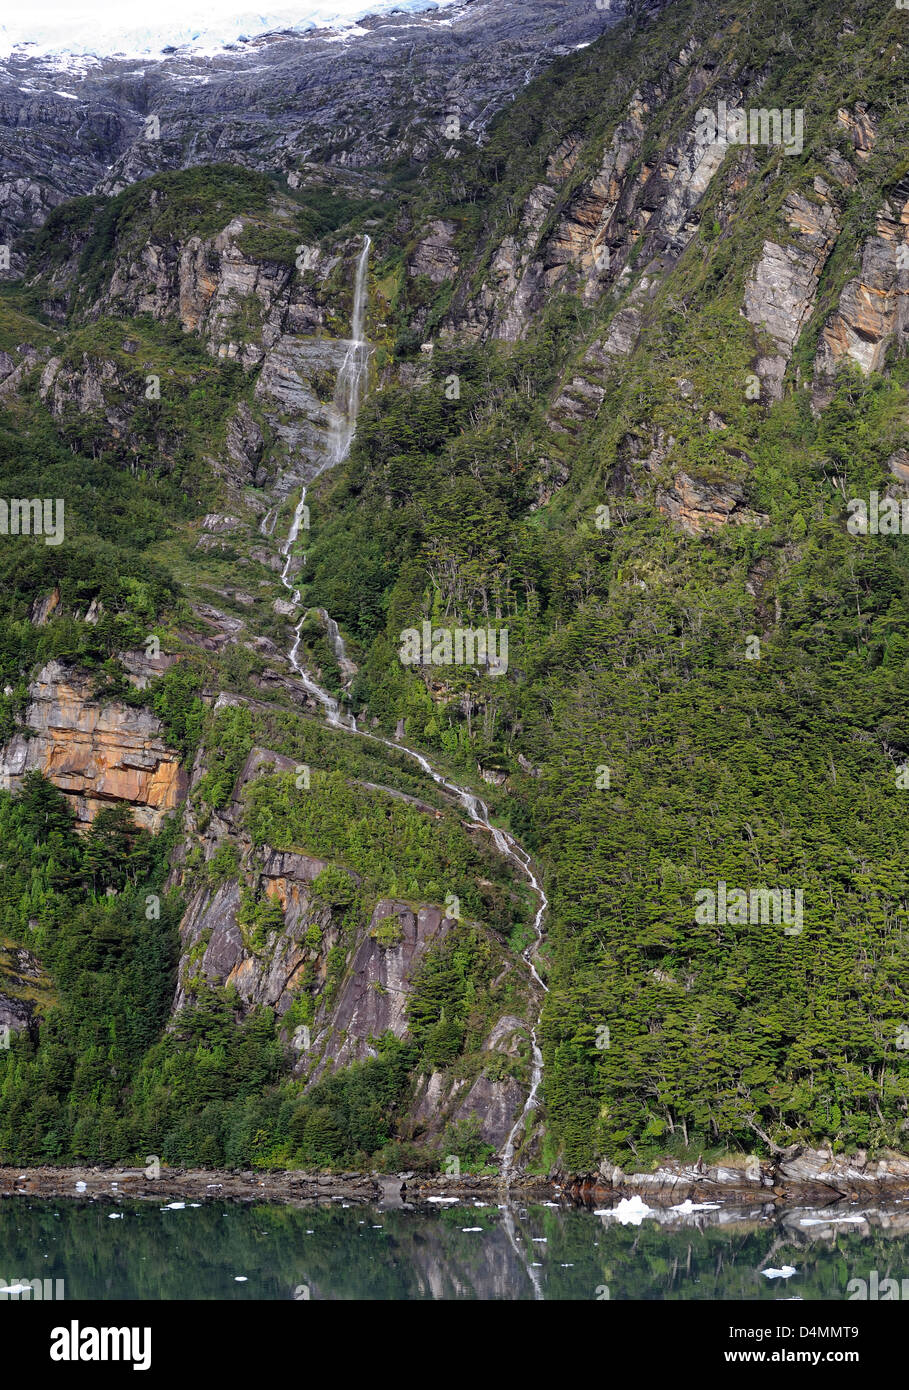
<point>585,241</point>
<point>26,992</point>
<point>780,295</point>
<point>373,997</point>
<point>873,309</point>
<point>613,236</point>
<point>95,751</point>
<point>619,216</point>
<point>236,303</point>
<point>353,1005</point>
<point>257,311</point>
<point>278,101</point>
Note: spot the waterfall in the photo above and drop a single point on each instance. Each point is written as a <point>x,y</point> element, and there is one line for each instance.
<point>350,386</point>
<point>351,380</point>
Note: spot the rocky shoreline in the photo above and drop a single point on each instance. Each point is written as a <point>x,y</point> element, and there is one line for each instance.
<point>812,1175</point>
<point>205,1184</point>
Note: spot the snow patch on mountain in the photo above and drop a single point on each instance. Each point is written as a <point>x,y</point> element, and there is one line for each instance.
<point>105,28</point>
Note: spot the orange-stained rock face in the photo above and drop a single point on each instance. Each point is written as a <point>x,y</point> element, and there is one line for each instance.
<point>95,752</point>
<point>873,308</point>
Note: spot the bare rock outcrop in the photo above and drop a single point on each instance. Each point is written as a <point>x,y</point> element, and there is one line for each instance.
<point>245,445</point>
<point>95,751</point>
<point>435,256</point>
<point>294,394</point>
<point>373,998</point>
<point>700,503</point>
<point>696,503</point>
<point>781,292</point>
<point>861,127</point>
<point>873,310</point>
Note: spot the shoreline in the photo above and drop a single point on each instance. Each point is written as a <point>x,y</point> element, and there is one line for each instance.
<point>207,1184</point>
<point>664,1187</point>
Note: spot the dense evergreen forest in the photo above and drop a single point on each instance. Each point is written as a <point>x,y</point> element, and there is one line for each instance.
<point>688,702</point>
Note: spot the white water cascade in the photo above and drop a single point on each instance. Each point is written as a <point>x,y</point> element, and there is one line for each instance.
<point>349,390</point>
<point>350,386</point>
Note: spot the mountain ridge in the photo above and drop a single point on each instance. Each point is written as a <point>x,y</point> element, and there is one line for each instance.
<point>624,385</point>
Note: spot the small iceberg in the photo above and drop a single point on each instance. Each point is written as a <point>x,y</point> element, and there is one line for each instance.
<point>443,1199</point>
<point>785,1273</point>
<point>240,1279</point>
<point>687,1207</point>
<point>174,1206</point>
<point>115,1216</point>
<point>81,1186</point>
<point>629,1212</point>
<point>471,1228</point>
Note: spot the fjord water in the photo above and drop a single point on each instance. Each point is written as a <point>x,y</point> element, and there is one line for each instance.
<point>334,1250</point>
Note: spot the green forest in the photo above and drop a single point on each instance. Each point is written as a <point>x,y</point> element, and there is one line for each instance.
<point>683,706</point>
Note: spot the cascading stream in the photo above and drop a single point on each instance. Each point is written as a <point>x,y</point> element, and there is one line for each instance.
<point>350,387</point>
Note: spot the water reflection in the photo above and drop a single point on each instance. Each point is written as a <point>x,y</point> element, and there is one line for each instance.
<point>465,1250</point>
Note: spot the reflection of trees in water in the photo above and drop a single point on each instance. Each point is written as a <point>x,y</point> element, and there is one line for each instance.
<point>335,1252</point>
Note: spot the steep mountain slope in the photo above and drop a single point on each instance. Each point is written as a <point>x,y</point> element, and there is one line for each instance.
<point>629,386</point>
<point>381,95</point>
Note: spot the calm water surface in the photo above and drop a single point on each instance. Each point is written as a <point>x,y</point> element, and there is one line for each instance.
<point>460,1251</point>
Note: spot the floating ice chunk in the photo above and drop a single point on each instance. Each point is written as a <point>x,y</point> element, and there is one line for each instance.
<point>687,1207</point>
<point>471,1228</point>
<point>174,1206</point>
<point>443,1199</point>
<point>785,1273</point>
<point>115,1216</point>
<point>629,1212</point>
<point>81,1186</point>
<point>240,1279</point>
